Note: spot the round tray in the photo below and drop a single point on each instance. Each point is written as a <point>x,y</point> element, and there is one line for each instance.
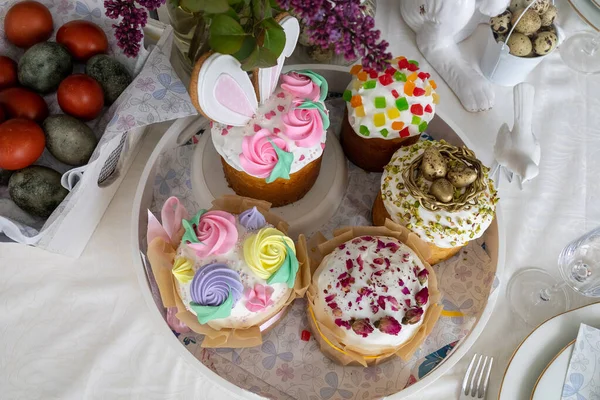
<point>179,133</point>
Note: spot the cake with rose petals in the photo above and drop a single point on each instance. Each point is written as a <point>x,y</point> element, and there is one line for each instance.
<point>234,271</point>
<point>276,155</point>
<point>369,297</point>
<point>385,111</point>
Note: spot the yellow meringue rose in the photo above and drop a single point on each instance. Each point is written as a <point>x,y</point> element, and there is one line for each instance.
<point>265,251</point>
<point>183,270</point>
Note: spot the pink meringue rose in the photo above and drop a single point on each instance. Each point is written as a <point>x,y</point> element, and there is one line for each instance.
<point>300,86</point>
<point>216,232</point>
<point>304,126</point>
<point>258,156</point>
<point>259,298</point>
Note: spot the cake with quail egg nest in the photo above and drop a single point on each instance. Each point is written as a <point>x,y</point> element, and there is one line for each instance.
<point>440,192</point>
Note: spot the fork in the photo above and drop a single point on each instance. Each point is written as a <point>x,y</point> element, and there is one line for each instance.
<point>475,385</point>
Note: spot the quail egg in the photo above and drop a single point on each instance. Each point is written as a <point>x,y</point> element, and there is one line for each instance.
<point>539,6</point>
<point>544,43</point>
<point>500,37</point>
<point>501,23</point>
<point>528,24</point>
<point>519,45</point>
<point>549,16</point>
<point>515,4</point>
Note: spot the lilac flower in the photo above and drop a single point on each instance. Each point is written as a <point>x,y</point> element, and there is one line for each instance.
<point>129,30</point>
<point>343,24</point>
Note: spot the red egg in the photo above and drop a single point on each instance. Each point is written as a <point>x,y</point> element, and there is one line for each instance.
<point>83,39</point>
<point>22,142</point>
<point>23,103</point>
<point>27,23</point>
<point>8,73</point>
<point>80,96</point>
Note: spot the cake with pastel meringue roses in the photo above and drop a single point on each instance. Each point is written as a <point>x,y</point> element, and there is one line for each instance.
<point>234,269</point>
<point>372,296</point>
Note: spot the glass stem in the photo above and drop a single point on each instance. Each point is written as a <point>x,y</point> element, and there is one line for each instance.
<point>546,293</point>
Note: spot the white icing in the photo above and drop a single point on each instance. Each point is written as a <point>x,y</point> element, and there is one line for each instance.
<point>368,102</point>
<point>402,265</point>
<point>240,316</point>
<point>212,69</point>
<point>229,145</point>
<point>442,228</point>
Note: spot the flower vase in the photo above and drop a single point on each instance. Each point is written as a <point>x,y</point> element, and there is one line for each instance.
<point>191,31</point>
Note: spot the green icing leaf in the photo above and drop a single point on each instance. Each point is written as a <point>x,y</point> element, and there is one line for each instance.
<point>317,80</point>
<point>283,166</point>
<point>190,234</point>
<point>288,270</point>
<point>208,313</point>
<point>311,105</point>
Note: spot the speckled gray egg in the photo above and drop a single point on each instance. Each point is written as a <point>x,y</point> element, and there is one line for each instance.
<point>110,74</point>
<point>461,176</point>
<point>44,66</point>
<point>544,43</point>
<point>539,6</point>
<point>549,16</point>
<point>515,5</point>
<point>501,23</point>
<point>519,45</point>
<point>433,164</point>
<point>442,190</point>
<point>37,190</point>
<point>69,140</point>
<point>529,24</point>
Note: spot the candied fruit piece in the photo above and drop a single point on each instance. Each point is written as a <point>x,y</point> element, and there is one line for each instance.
<point>409,87</point>
<point>404,132</point>
<point>422,126</point>
<point>402,104</point>
<point>395,93</point>
<point>418,92</point>
<point>380,102</point>
<point>356,100</point>
<point>397,125</point>
<point>362,76</point>
<point>399,76</point>
<point>370,84</point>
<point>413,62</point>
<point>386,79</point>
<point>347,95</point>
<point>433,84</point>
<point>390,70</point>
<point>428,108</point>
<point>427,90</point>
<point>415,120</point>
<point>436,98</point>
<point>379,119</point>
<point>423,75</point>
<point>373,74</point>
<point>355,69</point>
<point>384,132</point>
<point>356,84</point>
<point>416,109</point>
<point>403,63</point>
<point>359,111</point>
<point>393,113</point>
<point>364,130</point>
<point>412,77</point>
<point>305,336</point>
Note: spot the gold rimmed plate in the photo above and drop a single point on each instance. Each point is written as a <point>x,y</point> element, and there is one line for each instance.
<point>588,11</point>
<point>552,378</point>
<point>540,347</point>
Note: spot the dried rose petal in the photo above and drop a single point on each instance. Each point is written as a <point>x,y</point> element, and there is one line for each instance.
<point>422,276</point>
<point>400,282</point>
<point>380,244</point>
<point>374,309</point>
<point>330,297</point>
<point>393,302</point>
<point>337,312</point>
<point>342,275</point>
<point>392,246</point>
<point>359,260</point>
<point>367,238</point>
<point>412,316</point>
<point>341,323</point>
<point>342,246</point>
<point>362,327</point>
<point>407,302</point>
<point>378,261</point>
<point>349,264</point>
<point>332,305</point>
<point>422,297</point>
<point>405,290</point>
<point>389,325</point>
<point>381,302</point>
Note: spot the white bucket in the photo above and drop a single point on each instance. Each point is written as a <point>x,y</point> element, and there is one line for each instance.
<point>504,69</point>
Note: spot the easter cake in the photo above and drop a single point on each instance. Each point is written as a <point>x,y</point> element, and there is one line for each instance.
<point>386,110</point>
<point>440,192</point>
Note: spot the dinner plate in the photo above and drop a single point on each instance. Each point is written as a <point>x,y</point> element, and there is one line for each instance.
<point>551,381</point>
<point>588,11</point>
<point>539,348</point>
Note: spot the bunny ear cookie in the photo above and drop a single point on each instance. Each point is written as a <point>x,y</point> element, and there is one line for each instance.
<point>266,79</point>
<point>222,91</point>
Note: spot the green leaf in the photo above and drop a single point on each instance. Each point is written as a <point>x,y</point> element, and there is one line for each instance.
<point>232,13</point>
<point>226,34</point>
<point>249,63</point>
<point>274,37</point>
<point>215,6</point>
<point>231,2</point>
<point>246,49</point>
<point>261,9</point>
<point>192,6</point>
<point>266,58</point>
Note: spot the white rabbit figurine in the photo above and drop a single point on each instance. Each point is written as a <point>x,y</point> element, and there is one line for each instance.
<point>440,25</point>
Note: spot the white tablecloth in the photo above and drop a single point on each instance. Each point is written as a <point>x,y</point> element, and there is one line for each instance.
<point>79,329</point>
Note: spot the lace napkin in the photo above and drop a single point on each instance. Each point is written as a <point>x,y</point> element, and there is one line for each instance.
<point>582,381</point>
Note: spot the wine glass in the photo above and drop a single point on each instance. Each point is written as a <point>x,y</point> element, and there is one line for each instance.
<point>535,295</point>
<point>581,52</point>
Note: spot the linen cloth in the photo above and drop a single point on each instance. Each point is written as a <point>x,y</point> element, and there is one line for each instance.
<point>80,329</point>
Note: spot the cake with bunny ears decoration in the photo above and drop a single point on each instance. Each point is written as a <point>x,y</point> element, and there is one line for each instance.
<point>269,128</point>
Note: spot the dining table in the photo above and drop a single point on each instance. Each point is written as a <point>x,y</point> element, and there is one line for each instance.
<point>80,328</point>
